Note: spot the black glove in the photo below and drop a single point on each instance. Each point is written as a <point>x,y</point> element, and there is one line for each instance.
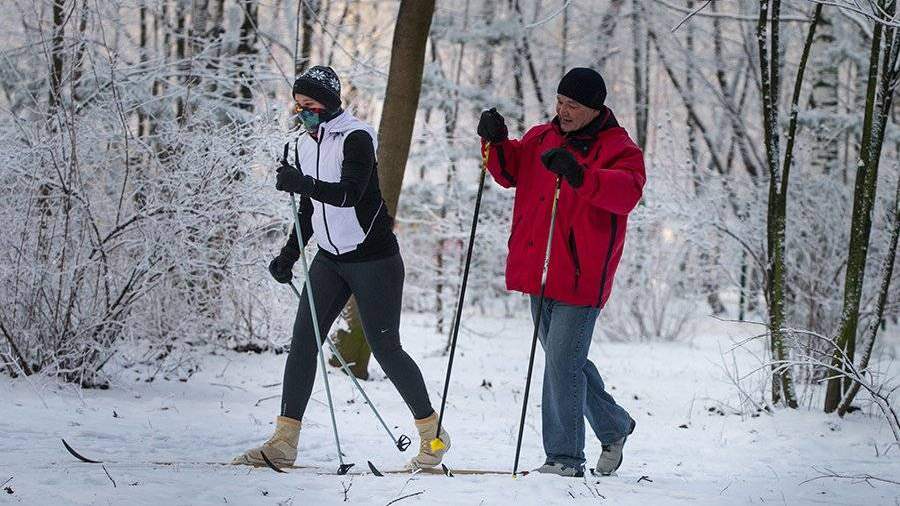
<point>290,179</point>
<point>280,268</point>
<point>562,163</point>
<point>491,126</point>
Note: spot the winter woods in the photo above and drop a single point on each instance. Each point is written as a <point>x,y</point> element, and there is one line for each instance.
<point>138,142</point>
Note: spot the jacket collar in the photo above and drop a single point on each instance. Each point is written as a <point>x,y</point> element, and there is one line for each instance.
<point>583,138</point>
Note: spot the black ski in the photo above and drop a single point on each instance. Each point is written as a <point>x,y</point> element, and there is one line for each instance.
<point>270,464</point>
<point>78,455</point>
<point>343,470</point>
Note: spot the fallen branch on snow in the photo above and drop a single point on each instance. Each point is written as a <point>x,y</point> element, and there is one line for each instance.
<point>867,478</point>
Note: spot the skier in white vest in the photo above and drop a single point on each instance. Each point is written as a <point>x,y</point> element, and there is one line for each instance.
<point>342,208</point>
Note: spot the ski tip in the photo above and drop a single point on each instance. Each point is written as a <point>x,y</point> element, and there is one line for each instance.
<point>447,472</point>
<point>270,464</point>
<point>403,442</point>
<point>78,455</point>
<point>342,470</point>
<point>374,469</point>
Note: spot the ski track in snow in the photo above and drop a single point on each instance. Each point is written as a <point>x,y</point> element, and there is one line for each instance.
<point>715,460</point>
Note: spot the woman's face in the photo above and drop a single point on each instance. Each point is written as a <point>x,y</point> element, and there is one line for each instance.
<point>304,102</point>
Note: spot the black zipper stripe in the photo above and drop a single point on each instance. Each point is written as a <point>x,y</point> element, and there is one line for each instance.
<point>574,249</point>
<point>614,226</point>
<point>324,214</point>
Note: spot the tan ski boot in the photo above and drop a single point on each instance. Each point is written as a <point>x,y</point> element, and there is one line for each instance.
<point>281,448</point>
<point>431,451</point>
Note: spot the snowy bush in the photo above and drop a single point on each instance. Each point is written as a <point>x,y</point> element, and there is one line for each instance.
<point>106,242</point>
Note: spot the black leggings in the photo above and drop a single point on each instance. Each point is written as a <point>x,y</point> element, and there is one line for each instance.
<point>378,288</point>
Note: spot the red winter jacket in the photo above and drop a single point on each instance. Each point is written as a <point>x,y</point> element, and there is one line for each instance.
<point>590,222</point>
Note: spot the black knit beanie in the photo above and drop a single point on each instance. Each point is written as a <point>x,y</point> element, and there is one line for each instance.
<point>584,86</point>
<point>320,83</point>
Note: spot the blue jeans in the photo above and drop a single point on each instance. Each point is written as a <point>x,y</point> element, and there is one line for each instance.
<point>573,389</point>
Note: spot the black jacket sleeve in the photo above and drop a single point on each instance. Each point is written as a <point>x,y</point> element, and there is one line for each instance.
<point>357,168</point>
<point>291,250</point>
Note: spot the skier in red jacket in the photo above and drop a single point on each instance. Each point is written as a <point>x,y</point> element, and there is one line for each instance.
<point>602,171</point>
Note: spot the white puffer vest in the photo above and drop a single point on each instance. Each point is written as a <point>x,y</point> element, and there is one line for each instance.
<point>336,229</point>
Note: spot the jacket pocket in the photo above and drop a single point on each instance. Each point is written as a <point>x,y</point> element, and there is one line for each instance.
<point>573,250</point>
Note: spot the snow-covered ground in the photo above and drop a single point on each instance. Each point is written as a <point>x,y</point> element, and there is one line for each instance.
<point>686,450</point>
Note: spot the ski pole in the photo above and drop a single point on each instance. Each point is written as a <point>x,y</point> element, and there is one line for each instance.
<point>401,443</point>
<point>537,324</point>
<point>312,308</point>
<point>436,443</point>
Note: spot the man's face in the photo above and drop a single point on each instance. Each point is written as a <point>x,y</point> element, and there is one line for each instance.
<point>573,115</point>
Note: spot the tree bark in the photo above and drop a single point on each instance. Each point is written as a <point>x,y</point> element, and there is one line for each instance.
<point>56,55</point>
<point>181,35</point>
<point>247,48</point>
<point>776,223</point>
<point>308,11</point>
<point>402,96</point>
<point>352,343</point>
<point>529,60</point>
<point>887,272</point>
<point>641,77</point>
<point>607,30</point>
<point>394,134</point>
<point>879,98</point>
<point>824,98</point>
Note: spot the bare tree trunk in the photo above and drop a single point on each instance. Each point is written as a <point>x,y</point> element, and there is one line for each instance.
<point>352,343</point>
<point>824,98</point>
<point>564,41</point>
<point>402,95</point>
<point>532,70</point>
<point>451,114</point>
<point>887,272</point>
<point>518,85</point>
<point>733,105</point>
<point>56,55</point>
<point>689,105</point>
<point>180,51</point>
<point>607,30</point>
<point>79,52</point>
<point>343,19</point>
<point>879,98</point>
<point>707,257</point>
<point>247,48</point>
<point>744,287</point>
<point>142,42</point>
<point>640,62</point>
<point>308,11</point>
<point>689,88</point>
<point>770,66</point>
<point>395,131</point>
<point>323,18</point>
<point>518,71</point>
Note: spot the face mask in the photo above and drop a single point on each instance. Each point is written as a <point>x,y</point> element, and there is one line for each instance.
<point>311,119</point>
